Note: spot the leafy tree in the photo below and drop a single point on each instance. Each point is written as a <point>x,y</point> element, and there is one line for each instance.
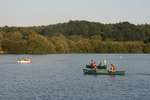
<point>37,44</point>
<point>76,37</point>
<point>61,44</point>
<point>84,45</point>
<point>146,48</point>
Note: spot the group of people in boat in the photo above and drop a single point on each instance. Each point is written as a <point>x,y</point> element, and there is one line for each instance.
<point>93,65</point>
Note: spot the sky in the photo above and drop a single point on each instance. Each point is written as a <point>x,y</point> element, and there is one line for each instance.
<point>45,12</point>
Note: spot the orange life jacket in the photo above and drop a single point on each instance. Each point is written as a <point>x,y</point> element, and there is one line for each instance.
<point>113,68</point>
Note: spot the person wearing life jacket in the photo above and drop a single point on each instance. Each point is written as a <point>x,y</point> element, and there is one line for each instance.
<point>93,64</point>
<point>113,68</point>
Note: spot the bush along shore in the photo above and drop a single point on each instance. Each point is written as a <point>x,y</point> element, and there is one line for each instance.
<point>76,37</point>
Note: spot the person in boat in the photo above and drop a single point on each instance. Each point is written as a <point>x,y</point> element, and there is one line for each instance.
<point>113,68</point>
<point>99,65</point>
<point>93,64</point>
<point>105,63</point>
<point>102,65</point>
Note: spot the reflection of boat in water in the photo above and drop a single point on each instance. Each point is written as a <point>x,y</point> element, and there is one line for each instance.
<point>24,60</point>
<point>102,70</point>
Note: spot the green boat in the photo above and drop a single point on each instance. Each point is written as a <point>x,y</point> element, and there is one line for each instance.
<point>102,72</point>
<point>102,69</point>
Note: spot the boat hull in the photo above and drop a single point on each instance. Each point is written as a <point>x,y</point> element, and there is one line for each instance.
<point>102,72</point>
<point>23,62</point>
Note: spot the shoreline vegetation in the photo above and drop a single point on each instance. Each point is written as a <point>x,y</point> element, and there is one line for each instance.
<point>76,37</point>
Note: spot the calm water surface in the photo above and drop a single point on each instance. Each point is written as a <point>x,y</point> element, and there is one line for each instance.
<point>60,77</point>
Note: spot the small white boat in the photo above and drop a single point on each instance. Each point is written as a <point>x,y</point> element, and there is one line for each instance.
<point>24,61</point>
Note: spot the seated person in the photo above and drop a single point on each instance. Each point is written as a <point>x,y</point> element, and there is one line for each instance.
<point>113,68</point>
<point>93,64</point>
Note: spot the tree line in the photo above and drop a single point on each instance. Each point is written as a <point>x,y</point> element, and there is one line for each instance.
<point>76,37</point>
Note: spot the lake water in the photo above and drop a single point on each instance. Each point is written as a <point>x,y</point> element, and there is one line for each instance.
<point>60,77</point>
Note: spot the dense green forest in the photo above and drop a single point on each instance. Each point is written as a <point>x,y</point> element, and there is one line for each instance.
<point>76,37</point>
